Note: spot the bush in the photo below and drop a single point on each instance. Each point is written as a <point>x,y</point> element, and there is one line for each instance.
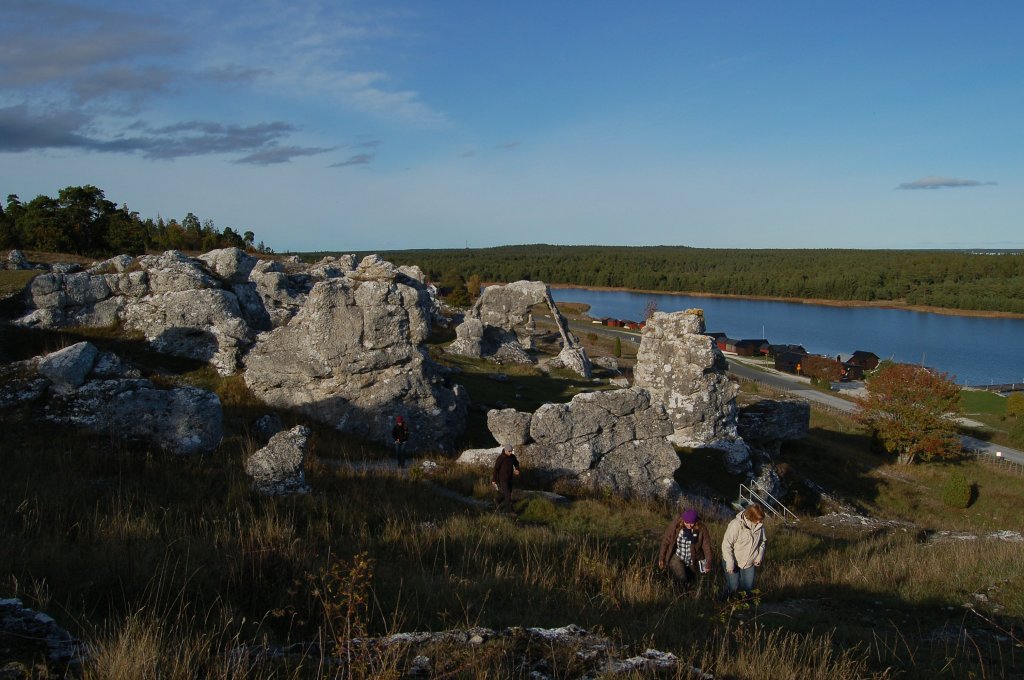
<point>956,492</point>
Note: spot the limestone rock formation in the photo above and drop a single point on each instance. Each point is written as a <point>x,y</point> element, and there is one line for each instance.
<point>352,358</point>
<point>182,420</point>
<point>764,426</point>
<point>80,386</point>
<point>500,327</point>
<point>774,420</point>
<point>614,440</point>
<point>682,369</point>
<point>278,468</point>
<point>28,635</point>
<point>68,368</point>
<point>175,301</point>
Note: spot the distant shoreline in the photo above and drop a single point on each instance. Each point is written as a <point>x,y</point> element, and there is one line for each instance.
<point>880,304</point>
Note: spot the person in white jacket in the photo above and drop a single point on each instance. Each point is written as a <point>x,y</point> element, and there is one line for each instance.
<point>743,549</point>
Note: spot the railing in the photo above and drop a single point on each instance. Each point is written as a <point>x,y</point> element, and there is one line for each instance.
<point>755,494</point>
<point>999,461</point>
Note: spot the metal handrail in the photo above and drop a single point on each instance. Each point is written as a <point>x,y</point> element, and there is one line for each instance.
<point>771,503</point>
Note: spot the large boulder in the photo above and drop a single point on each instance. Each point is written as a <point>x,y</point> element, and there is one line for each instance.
<point>684,370</point>
<point>68,368</point>
<point>614,440</point>
<point>81,386</point>
<point>353,358</point>
<point>204,324</point>
<point>278,468</point>
<point>231,264</point>
<point>178,303</point>
<point>774,420</point>
<point>181,420</point>
<point>500,327</point>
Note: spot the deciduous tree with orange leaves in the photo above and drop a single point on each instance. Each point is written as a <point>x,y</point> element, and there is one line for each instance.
<point>911,411</point>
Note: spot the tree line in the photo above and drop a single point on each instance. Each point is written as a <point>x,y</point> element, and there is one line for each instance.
<point>939,278</point>
<point>81,221</point>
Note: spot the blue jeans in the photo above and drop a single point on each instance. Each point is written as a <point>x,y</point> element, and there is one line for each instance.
<point>741,579</point>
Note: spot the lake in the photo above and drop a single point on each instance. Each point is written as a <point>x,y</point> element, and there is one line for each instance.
<point>972,350</point>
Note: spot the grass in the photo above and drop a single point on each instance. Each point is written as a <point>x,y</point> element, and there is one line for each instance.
<point>170,565</point>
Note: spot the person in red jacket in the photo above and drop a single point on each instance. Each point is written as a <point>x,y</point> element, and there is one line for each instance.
<point>400,434</point>
<point>686,548</point>
<point>506,467</point>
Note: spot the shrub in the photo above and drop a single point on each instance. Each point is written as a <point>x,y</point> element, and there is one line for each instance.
<point>956,492</point>
<point>618,347</point>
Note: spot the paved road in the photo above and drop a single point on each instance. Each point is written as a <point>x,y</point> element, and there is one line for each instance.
<point>801,387</point>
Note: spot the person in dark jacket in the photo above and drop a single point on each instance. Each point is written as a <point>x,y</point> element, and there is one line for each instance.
<point>506,467</point>
<point>400,434</point>
<point>686,548</point>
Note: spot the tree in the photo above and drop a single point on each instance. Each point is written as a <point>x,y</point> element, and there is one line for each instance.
<point>473,285</point>
<point>911,410</point>
<point>455,289</point>
<point>1015,405</point>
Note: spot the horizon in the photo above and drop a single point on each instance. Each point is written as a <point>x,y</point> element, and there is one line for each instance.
<point>359,127</point>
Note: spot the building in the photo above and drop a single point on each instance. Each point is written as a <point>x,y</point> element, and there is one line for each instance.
<point>790,362</point>
<point>868,361</point>
<point>749,348</point>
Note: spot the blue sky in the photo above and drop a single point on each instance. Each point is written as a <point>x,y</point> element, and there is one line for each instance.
<point>341,125</point>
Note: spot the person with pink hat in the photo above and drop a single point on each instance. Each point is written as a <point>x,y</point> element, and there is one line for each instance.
<point>686,548</point>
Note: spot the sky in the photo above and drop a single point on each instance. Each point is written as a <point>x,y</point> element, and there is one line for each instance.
<point>374,125</point>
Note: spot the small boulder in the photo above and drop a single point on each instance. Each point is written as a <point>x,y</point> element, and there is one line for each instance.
<point>68,368</point>
<point>277,469</point>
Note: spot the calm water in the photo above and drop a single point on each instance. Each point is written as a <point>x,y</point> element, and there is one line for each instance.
<point>975,351</point>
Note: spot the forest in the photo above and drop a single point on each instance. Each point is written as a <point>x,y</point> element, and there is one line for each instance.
<point>82,221</point>
<point>939,278</point>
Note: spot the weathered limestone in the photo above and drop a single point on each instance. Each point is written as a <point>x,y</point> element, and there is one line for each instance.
<point>614,440</point>
<point>764,426</point>
<point>80,386</point>
<point>278,468</point>
<point>183,420</point>
<point>682,368</point>
<point>352,358</point>
<point>68,368</point>
<point>28,635</point>
<point>500,327</point>
<point>774,420</point>
<point>175,301</point>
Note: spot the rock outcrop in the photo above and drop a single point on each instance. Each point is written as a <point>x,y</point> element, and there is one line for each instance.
<point>765,425</point>
<point>352,358</point>
<point>278,468</point>
<point>684,370</point>
<point>80,386</point>
<point>500,327</point>
<point>175,301</point>
<point>614,440</point>
<point>26,635</point>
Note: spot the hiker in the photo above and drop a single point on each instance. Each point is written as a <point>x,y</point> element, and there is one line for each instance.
<point>505,468</point>
<point>686,548</point>
<point>400,433</point>
<point>743,549</point>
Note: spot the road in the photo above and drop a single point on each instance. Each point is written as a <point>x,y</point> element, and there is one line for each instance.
<point>801,387</point>
<point>798,387</point>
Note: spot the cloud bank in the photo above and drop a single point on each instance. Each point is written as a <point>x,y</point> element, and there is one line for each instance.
<point>943,183</point>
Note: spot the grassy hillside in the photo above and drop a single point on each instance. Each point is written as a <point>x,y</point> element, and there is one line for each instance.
<point>169,565</point>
